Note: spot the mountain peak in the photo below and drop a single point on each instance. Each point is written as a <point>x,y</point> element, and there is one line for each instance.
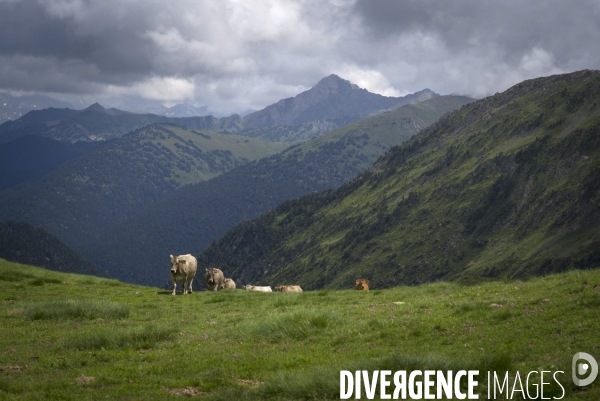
<point>332,99</point>
<point>332,78</point>
<point>334,83</point>
<point>96,107</point>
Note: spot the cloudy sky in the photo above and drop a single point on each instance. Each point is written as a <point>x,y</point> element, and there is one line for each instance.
<point>237,54</point>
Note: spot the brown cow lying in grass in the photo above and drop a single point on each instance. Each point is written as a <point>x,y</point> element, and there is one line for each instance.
<point>228,283</point>
<point>362,284</point>
<point>288,288</point>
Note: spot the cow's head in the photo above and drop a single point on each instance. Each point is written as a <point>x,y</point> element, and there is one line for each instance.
<point>176,264</point>
<point>210,275</point>
<point>361,283</point>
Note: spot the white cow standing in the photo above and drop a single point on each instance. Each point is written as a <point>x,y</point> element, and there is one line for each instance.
<point>183,267</point>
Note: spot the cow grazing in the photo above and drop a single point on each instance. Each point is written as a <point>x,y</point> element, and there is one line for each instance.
<point>214,279</point>
<point>228,283</point>
<point>288,288</point>
<point>251,287</point>
<point>362,284</point>
<point>183,267</point>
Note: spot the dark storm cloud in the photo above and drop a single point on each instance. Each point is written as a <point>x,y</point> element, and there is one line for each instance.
<point>568,29</point>
<point>150,48</point>
<point>113,49</point>
<point>235,54</point>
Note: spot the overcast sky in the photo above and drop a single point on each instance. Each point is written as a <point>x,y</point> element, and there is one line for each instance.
<point>237,54</point>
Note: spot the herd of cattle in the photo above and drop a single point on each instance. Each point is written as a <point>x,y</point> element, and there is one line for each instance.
<point>183,267</point>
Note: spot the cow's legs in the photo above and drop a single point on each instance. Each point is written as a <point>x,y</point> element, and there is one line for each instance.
<point>174,286</point>
<point>185,285</point>
<point>191,281</point>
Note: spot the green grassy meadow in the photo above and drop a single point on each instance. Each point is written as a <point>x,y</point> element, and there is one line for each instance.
<point>202,155</point>
<point>76,337</point>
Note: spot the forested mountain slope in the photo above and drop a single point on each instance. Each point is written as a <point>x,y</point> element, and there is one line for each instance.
<point>508,186</point>
<point>87,196</point>
<point>31,157</point>
<point>21,242</point>
<point>195,216</point>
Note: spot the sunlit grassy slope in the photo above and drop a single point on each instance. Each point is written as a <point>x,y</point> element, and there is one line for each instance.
<point>201,155</point>
<point>507,186</point>
<point>74,337</point>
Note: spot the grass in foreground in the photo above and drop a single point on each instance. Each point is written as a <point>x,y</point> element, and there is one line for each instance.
<point>75,309</point>
<point>99,338</point>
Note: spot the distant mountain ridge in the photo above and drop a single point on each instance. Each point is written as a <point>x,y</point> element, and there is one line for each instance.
<point>14,107</point>
<point>96,123</point>
<point>331,103</point>
<point>507,186</point>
